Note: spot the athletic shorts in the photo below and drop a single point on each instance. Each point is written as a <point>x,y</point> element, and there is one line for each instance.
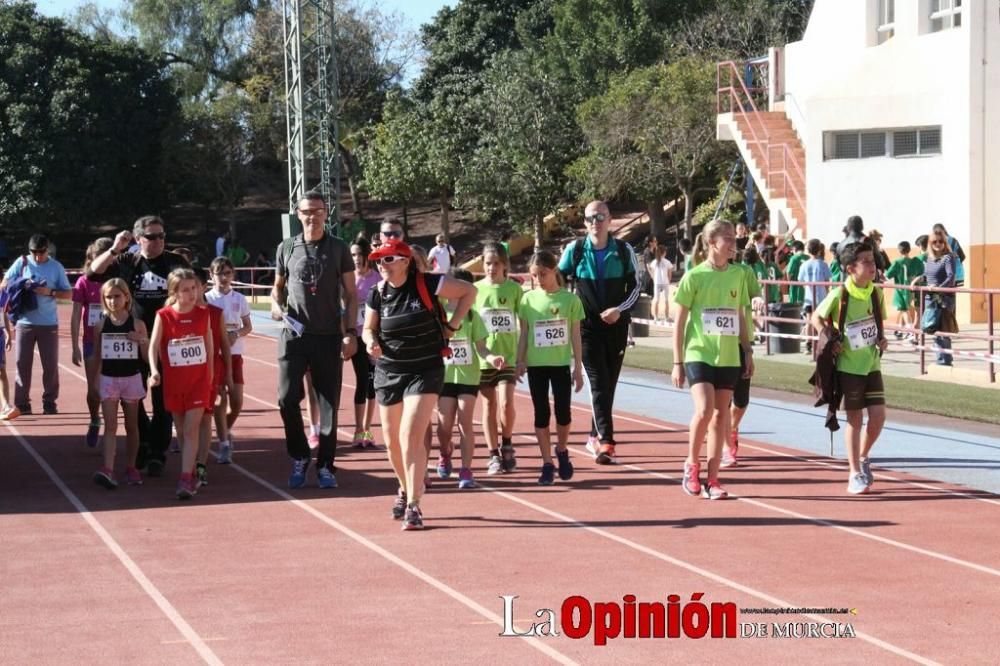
<point>862,391</point>
<point>454,390</point>
<point>88,350</point>
<point>721,378</point>
<point>238,369</point>
<point>494,377</point>
<point>392,387</point>
<point>196,398</point>
<point>128,388</point>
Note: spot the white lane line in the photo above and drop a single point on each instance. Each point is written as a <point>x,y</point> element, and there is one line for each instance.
<point>771,507</point>
<point>190,635</point>
<point>811,461</point>
<point>704,573</point>
<point>391,557</point>
<point>458,596</point>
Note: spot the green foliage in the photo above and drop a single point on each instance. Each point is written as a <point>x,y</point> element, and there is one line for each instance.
<point>82,123</point>
<point>394,154</point>
<point>528,136</point>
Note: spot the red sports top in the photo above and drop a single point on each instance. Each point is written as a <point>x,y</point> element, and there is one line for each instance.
<point>187,368</point>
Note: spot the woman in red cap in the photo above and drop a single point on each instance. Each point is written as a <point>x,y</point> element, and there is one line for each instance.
<point>405,332</point>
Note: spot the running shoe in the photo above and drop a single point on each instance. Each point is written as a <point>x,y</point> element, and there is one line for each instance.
<point>9,413</point>
<point>548,475</point>
<point>606,455</point>
<point>298,476</point>
<point>313,440</point>
<point>399,506</point>
<point>225,453</point>
<point>691,483</point>
<point>105,477</point>
<point>186,488</point>
<point>326,478</point>
<point>593,446</point>
<point>729,451</point>
<point>866,469</point>
<point>359,440</point>
<point>465,479</point>
<point>495,466</point>
<point>857,484</point>
<point>24,409</point>
<point>201,474</point>
<point>898,334</point>
<point>93,432</point>
<point>508,458</point>
<point>444,466</point>
<point>413,520</point>
<point>713,491</point>
<point>133,477</point>
<point>49,408</point>
<point>565,466</point>
<point>369,440</point>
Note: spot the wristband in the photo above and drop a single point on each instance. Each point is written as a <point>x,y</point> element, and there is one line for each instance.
<point>450,327</point>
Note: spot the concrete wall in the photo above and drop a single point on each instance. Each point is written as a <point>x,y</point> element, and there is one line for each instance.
<point>839,78</point>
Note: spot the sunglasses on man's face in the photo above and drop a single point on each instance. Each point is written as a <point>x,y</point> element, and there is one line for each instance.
<point>154,237</point>
<point>392,234</point>
<point>593,219</point>
<point>39,251</point>
<point>391,259</point>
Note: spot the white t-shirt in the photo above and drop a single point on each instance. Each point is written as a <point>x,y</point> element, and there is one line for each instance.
<point>439,258</point>
<point>234,307</point>
<point>660,270</point>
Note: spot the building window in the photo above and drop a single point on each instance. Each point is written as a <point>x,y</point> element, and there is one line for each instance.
<point>885,25</point>
<point>945,14</point>
<point>854,145</point>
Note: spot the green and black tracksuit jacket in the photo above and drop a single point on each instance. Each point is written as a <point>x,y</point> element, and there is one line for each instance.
<point>613,284</point>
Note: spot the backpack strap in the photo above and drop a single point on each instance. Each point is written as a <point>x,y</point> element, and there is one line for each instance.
<point>287,247</point>
<point>843,310</point>
<point>877,309</point>
<point>24,264</point>
<point>620,248</point>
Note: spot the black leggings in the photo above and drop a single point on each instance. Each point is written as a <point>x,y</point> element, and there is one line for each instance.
<point>562,386</point>
<point>364,373</point>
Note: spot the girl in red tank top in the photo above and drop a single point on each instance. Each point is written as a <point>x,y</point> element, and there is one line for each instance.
<point>181,356</point>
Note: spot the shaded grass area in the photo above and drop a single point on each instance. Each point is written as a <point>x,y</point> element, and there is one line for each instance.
<point>915,395</point>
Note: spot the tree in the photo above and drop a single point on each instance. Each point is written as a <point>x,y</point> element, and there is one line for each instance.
<point>528,137</point>
<point>82,123</point>
<point>653,133</point>
<point>741,29</point>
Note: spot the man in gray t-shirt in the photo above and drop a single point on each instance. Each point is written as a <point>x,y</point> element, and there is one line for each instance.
<point>314,283</point>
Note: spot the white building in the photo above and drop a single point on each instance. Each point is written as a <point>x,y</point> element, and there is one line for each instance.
<point>895,106</point>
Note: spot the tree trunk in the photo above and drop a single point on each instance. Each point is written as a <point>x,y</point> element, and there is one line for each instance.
<point>539,232</point>
<point>688,213</point>
<point>350,172</point>
<point>443,199</point>
<point>657,219</point>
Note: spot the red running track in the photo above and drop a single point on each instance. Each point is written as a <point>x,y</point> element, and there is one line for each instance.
<point>250,572</point>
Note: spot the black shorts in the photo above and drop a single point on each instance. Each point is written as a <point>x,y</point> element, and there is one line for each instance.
<point>493,377</point>
<point>721,378</point>
<point>392,387</point>
<point>454,390</point>
<point>861,391</point>
<point>741,394</point>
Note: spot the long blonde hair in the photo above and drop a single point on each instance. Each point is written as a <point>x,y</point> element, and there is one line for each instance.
<point>120,285</point>
<point>174,280</point>
<point>941,236</point>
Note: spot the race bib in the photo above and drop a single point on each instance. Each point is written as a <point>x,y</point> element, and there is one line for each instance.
<point>94,315</point>
<point>720,321</point>
<point>499,321</point>
<point>461,352</point>
<point>551,333</point>
<point>862,333</point>
<point>361,315</point>
<point>118,346</point>
<point>187,351</point>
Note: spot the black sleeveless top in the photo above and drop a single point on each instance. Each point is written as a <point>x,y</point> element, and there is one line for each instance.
<point>119,367</point>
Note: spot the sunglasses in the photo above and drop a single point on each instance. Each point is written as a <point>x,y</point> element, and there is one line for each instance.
<point>154,237</point>
<point>39,250</point>
<point>593,219</point>
<point>391,259</point>
<point>392,234</point>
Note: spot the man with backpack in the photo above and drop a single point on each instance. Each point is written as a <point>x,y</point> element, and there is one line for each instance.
<point>314,283</point>
<point>605,271</point>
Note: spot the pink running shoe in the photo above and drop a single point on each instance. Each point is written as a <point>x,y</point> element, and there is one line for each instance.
<point>133,477</point>
<point>713,491</point>
<point>691,483</point>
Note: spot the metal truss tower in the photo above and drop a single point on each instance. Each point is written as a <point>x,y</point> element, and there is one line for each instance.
<point>311,101</point>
